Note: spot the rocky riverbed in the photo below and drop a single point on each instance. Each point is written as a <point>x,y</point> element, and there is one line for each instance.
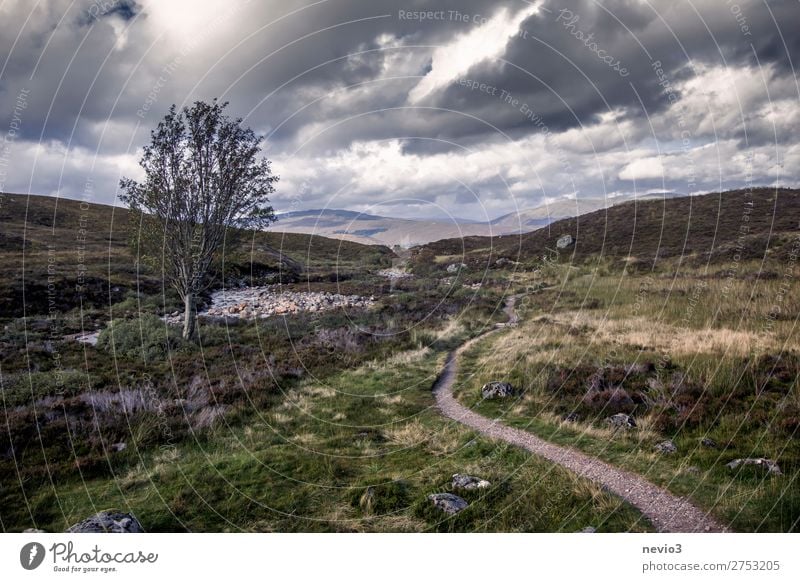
<point>262,302</point>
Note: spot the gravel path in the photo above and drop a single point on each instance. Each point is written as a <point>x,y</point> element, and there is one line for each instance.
<point>667,512</point>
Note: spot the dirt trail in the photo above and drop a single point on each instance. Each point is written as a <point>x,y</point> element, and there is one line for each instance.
<point>667,512</point>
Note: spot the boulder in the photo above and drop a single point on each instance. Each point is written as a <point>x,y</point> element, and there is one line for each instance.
<point>770,466</point>
<point>565,242</point>
<point>455,267</point>
<point>108,522</point>
<point>572,417</point>
<point>497,390</point>
<point>667,447</point>
<point>469,482</point>
<point>621,420</point>
<point>709,443</point>
<point>119,447</point>
<point>33,530</point>
<point>692,470</point>
<point>448,502</point>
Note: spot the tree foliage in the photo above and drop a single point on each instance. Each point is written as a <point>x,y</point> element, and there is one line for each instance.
<point>204,178</point>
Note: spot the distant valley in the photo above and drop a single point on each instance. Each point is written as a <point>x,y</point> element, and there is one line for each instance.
<point>381,230</point>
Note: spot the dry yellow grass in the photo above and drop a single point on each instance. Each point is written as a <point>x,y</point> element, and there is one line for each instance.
<point>644,434</point>
<point>304,438</point>
<point>657,336</point>
<point>409,434</point>
<point>280,418</point>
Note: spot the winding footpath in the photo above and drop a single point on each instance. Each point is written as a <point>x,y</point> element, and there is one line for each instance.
<point>667,512</point>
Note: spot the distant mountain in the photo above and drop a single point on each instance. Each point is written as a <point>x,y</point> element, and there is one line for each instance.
<point>382,230</point>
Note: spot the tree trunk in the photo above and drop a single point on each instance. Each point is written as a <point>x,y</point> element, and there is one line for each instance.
<point>188,316</point>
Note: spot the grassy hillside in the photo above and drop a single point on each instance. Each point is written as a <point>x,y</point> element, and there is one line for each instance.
<point>304,422</point>
<point>712,228</point>
<point>80,252</point>
<point>325,421</point>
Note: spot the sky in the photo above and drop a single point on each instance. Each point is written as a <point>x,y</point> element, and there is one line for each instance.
<point>412,108</point>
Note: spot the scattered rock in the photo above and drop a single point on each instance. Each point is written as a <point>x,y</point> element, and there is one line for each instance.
<point>709,443</point>
<point>565,241</point>
<point>621,420</point>
<point>502,262</point>
<point>108,522</point>
<point>771,466</point>
<point>455,267</point>
<point>497,390</point>
<point>667,447</point>
<point>448,502</point>
<point>263,302</point>
<point>89,338</point>
<point>119,447</point>
<point>588,529</point>
<point>469,482</point>
<point>572,417</point>
<point>692,470</point>
<point>394,274</point>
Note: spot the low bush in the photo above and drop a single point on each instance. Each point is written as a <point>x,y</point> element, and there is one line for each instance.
<point>146,337</point>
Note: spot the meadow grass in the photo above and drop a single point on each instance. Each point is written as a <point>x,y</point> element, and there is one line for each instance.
<point>709,366</point>
<point>358,452</point>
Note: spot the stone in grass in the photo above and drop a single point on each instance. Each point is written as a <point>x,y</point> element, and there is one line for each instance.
<point>667,447</point>
<point>108,522</point>
<point>497,390</point>
<point>771,466</point>
<point>447,502</point>
<point>469,482</point>
<point>621,420</point>
<point>588,529</point>
<point>572,417</point>
<point>565,241</point>
<point>709,443</point>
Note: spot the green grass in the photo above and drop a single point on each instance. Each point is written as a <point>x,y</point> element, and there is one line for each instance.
<point>738,386</point>
<point>306,464</point>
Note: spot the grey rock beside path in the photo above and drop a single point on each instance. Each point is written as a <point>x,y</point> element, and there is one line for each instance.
<point>770,466</point>
<point>108,522</point>
<point>492,390</point>
<point>469,482</point>
<point>447,502</point>
<point>621,420</point>
<point>666,447</point>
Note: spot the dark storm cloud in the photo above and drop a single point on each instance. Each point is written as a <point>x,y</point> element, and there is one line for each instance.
<point>554,65</point>
<point>72,65</point>
<point>318,77</point>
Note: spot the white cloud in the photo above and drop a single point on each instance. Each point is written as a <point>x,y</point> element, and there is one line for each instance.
<point>642,169</point>
<point>487,41</point>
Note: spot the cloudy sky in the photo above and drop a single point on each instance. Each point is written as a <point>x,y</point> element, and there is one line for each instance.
<point>412,108</point>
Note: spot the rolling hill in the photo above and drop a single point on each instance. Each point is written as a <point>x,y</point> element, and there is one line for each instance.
<point>734,225</point>
<point>61,254</point>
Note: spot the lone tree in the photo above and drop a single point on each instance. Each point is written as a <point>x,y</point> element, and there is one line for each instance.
<point>204,175</point>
